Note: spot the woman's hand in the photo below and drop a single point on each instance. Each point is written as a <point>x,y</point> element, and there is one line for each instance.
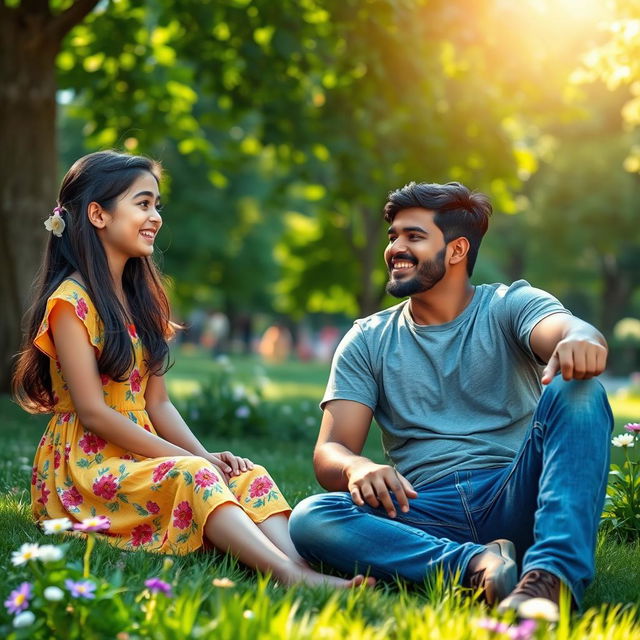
<point>235,464</point>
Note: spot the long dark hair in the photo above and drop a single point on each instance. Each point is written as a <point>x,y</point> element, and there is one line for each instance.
<point>98,177</point>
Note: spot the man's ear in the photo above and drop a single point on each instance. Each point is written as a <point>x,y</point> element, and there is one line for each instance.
<point>97,215</point>
<point>459,250</point>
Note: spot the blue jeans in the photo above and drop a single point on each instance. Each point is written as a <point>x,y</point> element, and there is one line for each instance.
<point>548,501</point>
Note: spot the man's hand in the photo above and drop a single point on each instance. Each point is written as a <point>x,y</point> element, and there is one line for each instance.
<point>578,358</point>
<point>371,483</point>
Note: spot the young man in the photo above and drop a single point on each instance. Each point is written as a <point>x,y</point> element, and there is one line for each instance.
<point>479,458</point>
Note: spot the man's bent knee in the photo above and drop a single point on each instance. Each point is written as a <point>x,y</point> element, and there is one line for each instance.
<point>311,517</point>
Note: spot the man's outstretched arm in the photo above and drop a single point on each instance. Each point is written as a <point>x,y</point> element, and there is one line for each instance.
<point>340,467</point>
<point>569,345</point>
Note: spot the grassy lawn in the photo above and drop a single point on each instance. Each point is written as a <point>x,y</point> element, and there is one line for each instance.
<point>253,608</point>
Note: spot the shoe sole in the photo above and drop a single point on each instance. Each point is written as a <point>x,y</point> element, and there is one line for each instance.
<point>503,580</point>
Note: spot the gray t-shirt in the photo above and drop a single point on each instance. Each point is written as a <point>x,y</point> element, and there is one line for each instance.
<point>447,397</point>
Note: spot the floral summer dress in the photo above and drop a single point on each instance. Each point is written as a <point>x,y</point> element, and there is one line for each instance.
<point>156,504</point>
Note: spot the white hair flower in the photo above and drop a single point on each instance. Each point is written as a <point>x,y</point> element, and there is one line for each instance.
<point>623,440</point>
<point>55,222</point>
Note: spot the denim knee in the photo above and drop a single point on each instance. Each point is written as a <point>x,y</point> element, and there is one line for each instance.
<point>310,517</point>
<point>581,399</point>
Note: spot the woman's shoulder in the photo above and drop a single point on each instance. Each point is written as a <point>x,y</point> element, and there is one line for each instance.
<point>74,291</point>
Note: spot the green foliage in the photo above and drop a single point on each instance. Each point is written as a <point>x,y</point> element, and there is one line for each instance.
<point>621,517</point>
<point>226,407</point>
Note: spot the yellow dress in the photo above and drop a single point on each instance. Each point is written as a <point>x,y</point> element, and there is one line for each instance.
<point>156,504</point>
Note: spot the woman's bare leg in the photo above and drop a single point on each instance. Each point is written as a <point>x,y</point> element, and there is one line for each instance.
<point>230,529</point>
<point>276,528</point>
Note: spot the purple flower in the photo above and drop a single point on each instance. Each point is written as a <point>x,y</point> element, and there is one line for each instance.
<point>18,599</point>
<point>155,585</point>
<point>97,523</point>
<point>523,631</point>
<point>81,589</point>
<point>634,427</point>
<point>493,625</point>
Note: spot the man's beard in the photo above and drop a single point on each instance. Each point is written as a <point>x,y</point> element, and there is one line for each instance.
<point>428,275</point>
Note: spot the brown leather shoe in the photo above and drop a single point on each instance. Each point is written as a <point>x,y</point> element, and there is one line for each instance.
<point>536,584</point>
<point>494,571</point>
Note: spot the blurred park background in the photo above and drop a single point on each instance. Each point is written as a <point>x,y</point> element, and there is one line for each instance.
<point>283,124</point>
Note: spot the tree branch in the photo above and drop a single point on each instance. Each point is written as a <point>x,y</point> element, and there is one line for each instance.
<point>75,14</point>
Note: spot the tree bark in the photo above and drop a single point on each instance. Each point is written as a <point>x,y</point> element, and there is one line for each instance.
<point>30,38</point>
<point>616,293</point>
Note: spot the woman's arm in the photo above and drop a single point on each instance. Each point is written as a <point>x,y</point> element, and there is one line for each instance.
<point>79,367</point>
<point>170,425</point>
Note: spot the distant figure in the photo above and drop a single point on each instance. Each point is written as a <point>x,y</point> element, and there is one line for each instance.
<point>275,345</point>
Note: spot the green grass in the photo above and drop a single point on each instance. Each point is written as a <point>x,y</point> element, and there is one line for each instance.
<point>389,611</point>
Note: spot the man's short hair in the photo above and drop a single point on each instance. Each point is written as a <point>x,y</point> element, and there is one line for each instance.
<point>459,212</point>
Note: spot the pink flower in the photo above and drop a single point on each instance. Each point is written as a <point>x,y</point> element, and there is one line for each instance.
<point>65,417</point>
<point>34,476</point>
<point>260,486</point>
<point>162,469</point>
<point>67,451</point>
<point>182,515</point>
<point>205,478</point>
<point>106,487</point>
<point>56,459</point>
<point>634,427</point>
<point>134,381</point>
<point>97,523</point>
<point>146,427</point>
<point>141,534</point>
<point>44,495</point>
<point>153,507</point>
<point>91,443</point>
<point>71,498</point>
<point>81,309</point>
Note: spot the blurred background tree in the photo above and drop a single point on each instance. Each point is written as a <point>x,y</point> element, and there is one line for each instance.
<point>283,125</point>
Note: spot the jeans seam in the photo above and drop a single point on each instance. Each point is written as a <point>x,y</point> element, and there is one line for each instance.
<point>514,465</point>
<point>465,506</point>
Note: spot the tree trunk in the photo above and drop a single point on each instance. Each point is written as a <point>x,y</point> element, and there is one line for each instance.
<point>369,255</point>
<point>30,38</point>
<point>616,293</point>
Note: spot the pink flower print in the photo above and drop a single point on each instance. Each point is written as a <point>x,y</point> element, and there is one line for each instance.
<point>58,366</point>
<point>91,443</point>
<point>260,486</point>
<point>162,469</point>
<point>134,381</point>
<point>56,459</point>
<point>42,441</point>
<point>182,515</point>
<point>71,498</point>
<point>65,417</point>
<point>146,427</point>
<point>141,534</point>
<point>34,476</point>
<point>104,379</point>
<point>81,309</point>
<point>205,478</point>
<point>106,487</point>
<point>132,331</point>
<point>44,496</point>
<point>153,507</point>
<point>67,451</point>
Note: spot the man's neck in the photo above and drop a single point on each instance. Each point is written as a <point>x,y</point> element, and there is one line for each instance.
<point>440,304</point>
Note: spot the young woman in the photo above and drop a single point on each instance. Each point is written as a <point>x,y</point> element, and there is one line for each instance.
<point>95,355</point>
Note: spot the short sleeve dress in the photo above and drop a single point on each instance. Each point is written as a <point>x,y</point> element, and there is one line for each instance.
<point>156,504</point>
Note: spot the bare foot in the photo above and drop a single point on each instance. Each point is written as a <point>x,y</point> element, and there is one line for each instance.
<point>301,575</point>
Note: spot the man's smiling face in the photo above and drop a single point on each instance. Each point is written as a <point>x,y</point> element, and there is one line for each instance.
<point>415,255</point>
